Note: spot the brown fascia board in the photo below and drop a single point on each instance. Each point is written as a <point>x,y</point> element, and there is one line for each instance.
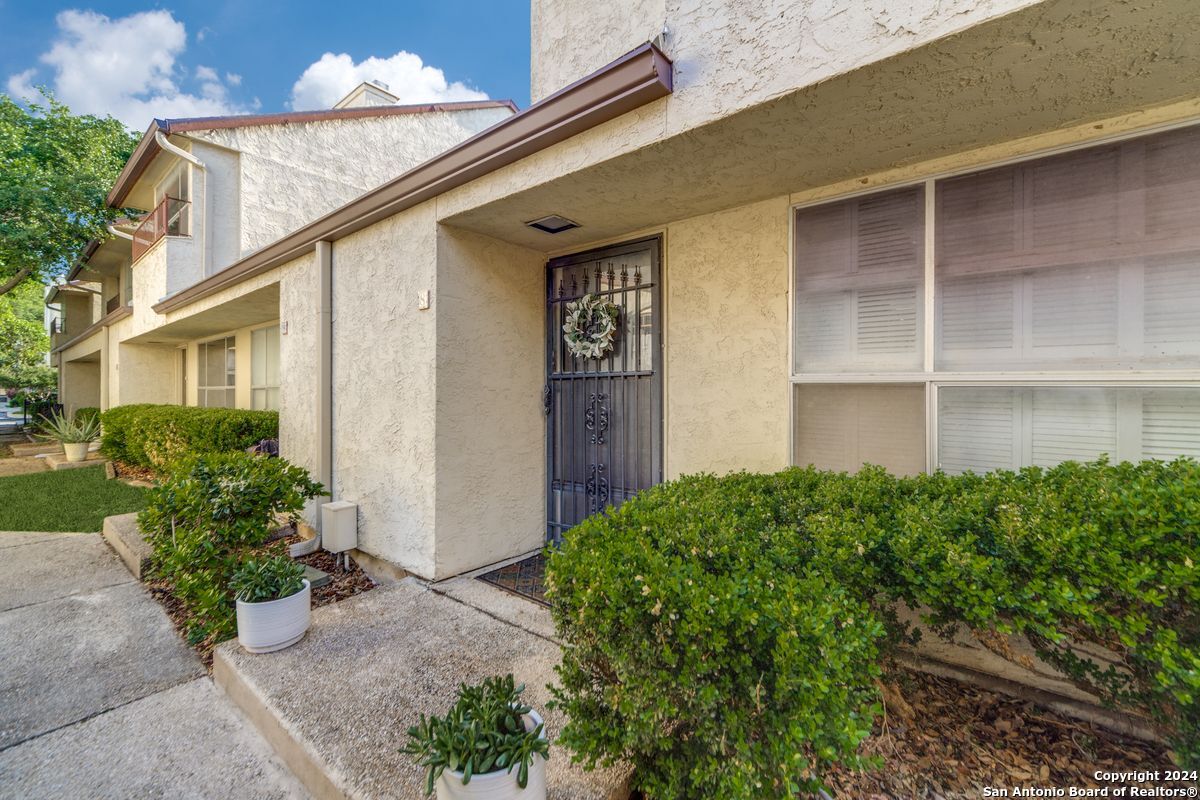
<point>88,252</point>
<point>637,78</point>
<point>148,147</point>
<point>106,320</point>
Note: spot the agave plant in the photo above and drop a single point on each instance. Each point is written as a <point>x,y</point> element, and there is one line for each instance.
<point>61,428</point>
<point>483,732</point>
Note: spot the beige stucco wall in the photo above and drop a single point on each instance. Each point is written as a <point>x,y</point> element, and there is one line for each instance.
<point>291,174</point>
<point>80,385</point>
<point>731,55</point>
<point>300,384</point>
<point>726,341</point>
<point>144,373</point>
<point>491,431</point>
<point>383,385</point>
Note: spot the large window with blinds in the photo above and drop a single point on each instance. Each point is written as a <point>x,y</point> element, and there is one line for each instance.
<point>217,367</point>
<point>264,368</point>
<point>1033,313</point>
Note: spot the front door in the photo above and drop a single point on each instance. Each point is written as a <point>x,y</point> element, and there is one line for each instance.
<point>604,428</point>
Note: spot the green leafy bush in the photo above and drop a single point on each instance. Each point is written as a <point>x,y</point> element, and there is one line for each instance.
<point>210,514</point>
<point>483,732</point>
<point>260,580</point>
<point>722,634</point>
<point>86,413</point>
<point>699,647</point>
<point>155,435</point>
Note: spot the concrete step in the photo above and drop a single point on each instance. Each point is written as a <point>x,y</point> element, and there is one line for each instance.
<point>123,535</point>
<point>59,461</point>
<point>336,706</point>
<point>28,448</point>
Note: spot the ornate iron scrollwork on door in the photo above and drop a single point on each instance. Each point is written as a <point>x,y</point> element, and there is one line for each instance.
<point>596,488</point>
<point>596,417</point>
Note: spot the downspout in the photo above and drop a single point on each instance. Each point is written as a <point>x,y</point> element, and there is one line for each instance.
<point>324,255</point>
<point>119,233</point>
<point>165,144</point>
<point>104,366</point>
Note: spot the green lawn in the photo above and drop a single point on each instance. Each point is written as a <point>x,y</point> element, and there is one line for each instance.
<point>66,500</point>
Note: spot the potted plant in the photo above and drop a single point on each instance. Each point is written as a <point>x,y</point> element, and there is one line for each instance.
<point>74,435</point>
<point>273,603</point>
<point>490,746</point>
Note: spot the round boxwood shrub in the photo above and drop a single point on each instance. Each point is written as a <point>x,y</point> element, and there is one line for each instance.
<point>695,649</point>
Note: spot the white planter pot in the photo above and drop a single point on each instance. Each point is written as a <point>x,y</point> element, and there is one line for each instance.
<point>274,624</point>
<point>76,451</point>
<point>501,785</point>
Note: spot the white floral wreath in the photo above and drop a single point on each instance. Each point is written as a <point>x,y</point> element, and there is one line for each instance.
<point>591,326</point>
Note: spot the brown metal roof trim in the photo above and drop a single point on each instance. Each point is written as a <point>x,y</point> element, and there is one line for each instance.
<point>108,319</point>
<point>637,78</point>
<point>148,148</point>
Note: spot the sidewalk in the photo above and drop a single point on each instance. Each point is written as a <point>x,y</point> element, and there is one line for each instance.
<point>100,696</point>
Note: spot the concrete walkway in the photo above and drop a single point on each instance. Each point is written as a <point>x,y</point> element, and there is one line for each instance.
<point>99,698</point>
<point>373,663</point>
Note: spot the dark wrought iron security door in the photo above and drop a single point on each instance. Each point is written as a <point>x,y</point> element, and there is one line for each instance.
<point>604,428</point>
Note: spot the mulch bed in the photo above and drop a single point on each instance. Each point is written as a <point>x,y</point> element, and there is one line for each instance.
<point>129,472</point>
<point>944,739</point>
<point>345,583</point>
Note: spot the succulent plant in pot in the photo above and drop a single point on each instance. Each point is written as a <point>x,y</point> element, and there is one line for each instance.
<point>489,746</point>
<point>74,435</point>
<point>274,603</point>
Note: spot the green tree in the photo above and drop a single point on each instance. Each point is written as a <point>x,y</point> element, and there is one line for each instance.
<point>23,344</point>
<point>55,170</point>
<point>27,301</point>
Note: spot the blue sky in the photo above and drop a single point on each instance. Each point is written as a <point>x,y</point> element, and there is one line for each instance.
<point>136,61</point>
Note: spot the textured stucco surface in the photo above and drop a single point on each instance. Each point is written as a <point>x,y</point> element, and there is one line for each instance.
<point>726,341</point>
<point>299,306</point>
<point>729,55</point>
<point>572,38</point>
<point>147,374</point>
<point>1048,66</point>
<point>490,426</point>
<point>292,174</point>
<point>383,385</point>
<point>80,385</point>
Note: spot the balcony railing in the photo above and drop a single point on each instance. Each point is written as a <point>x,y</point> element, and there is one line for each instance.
<point>113,304</point>
<point>169,218</point>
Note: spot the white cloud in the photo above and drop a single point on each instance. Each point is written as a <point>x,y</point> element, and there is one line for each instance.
<point>331,78</point>
<point>127,67</point>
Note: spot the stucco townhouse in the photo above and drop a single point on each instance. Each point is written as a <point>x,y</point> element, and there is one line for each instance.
<point>954,234</point>
<point>212,191</point>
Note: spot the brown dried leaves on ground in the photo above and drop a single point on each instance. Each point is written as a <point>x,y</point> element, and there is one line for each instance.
<point>945,739</point>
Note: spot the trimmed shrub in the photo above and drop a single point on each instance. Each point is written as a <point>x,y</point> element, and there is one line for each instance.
<point>722,634</point>
<point>154,436</point>
<point>86,413</point>
<point>212,512</point>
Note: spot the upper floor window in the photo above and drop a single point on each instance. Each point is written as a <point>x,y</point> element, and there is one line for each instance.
<point>264,368</point>
<point>1050,322</point>
<point>217,368</point>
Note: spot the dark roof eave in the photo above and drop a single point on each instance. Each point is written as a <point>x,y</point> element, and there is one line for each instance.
<point>148,147</point>
<point>637,78</point>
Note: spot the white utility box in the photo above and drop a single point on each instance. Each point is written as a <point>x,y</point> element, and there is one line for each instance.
<point>339,526</point>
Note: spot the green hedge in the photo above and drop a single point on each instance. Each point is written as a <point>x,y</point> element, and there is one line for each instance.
<point>156,435</point>
<point>85,413</point>
<point>722,634</point>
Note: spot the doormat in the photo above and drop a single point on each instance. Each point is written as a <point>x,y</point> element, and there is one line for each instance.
<point>526,578</point>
